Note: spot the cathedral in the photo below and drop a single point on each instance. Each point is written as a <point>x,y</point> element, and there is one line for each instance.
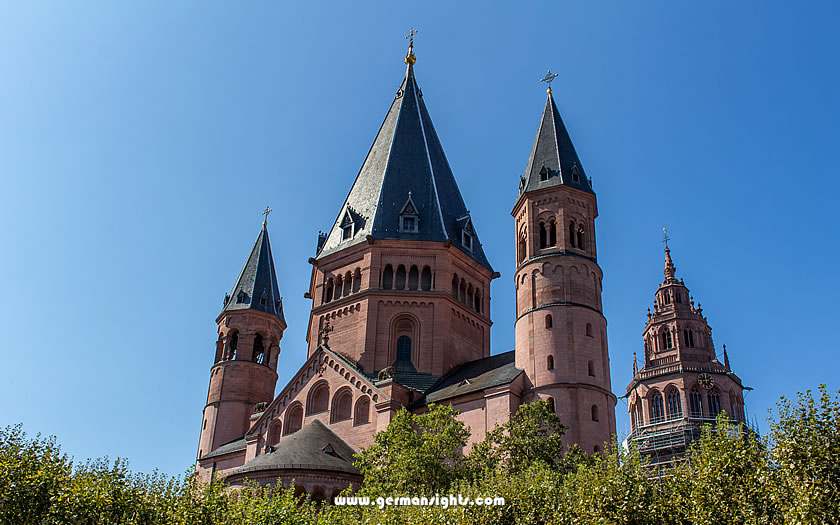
<point>400,292</point>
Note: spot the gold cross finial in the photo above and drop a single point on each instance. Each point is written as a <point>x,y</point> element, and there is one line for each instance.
<point>548,78</point>
<point>665,239</point>
<point>409,57</point>
<point>265,215</point>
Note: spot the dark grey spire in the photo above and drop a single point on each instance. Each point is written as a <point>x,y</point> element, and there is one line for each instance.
<point>256,287</point>
<point>405,175</point>
<point>553,160</point>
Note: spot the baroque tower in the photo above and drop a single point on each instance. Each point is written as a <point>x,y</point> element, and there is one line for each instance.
<point>401,278</point>
<point>681,383</point>
<point>244,371</point>
<point>561,332</point>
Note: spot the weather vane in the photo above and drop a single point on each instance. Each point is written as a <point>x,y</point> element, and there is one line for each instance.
<point>548,78</point>
<point>665,239</point>
<point>409,57</point>
<point>265,214</point>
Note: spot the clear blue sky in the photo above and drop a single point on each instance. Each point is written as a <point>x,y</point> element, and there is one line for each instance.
<point>139,142</point>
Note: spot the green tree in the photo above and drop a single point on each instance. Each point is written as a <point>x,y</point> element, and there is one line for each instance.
<point>416,453</point>
<point>806,452</point>
<point>532,435</point>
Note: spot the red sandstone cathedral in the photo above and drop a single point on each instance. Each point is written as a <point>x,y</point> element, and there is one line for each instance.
<point>400,292</point>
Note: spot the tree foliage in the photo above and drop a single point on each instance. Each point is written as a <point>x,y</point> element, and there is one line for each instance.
<point>729,476</point>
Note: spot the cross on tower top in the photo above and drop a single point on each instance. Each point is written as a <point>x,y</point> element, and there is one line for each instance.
<point>409,57</point>
<point>265,215</point>
<point>665,238</point>
<point>548,78</point>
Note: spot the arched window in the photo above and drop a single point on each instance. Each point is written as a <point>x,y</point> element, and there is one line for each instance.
<point>674,404</point>
<point>636,416</point>
<point>549,363</point>
<point>274,432</point>
<point>549,322</point>
<point>679,297</point>
<point>543,235</point>
<point>551,405</point>
<point>259,351</point>
<point>342,405</point>
<point>552,234</point>
<point>328,291</point>
<point>462,294</point>
<point>357,280</point>
<point>338,287</point>
<point>400,281</point>
<point>520,249</point>
<point>580,243</point>
<point>591,367</point>
<point>426,279</point>
<point>588,329</point>
<point>596,449</point>
<point>404,348</point>
<point>294,419</point>
<point>361,414</point>
<point>319,399</point>
<point>348,284</point>
<point>469,295</point>
<point>388,277</point>
<point>572,234</point>
<point>455,286</point>
<point>594,412</point>
<point>233,344</point>
<point>477,302</point>
<point>657,409</point>
<point>695,403</point>
<point>714,403</point>
<point>413,278</point>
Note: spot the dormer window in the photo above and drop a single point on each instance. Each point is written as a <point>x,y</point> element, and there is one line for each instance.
<point>543,174</point>
<point>575,173</point>
<point>241,297</point>
<point>467,240</point>
<point>409,217</point>
<point>467,233</point>
<point>263,299</point>
<point>348,226</point>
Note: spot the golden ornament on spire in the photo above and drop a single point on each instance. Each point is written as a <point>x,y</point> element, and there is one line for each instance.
<point>409,57</point>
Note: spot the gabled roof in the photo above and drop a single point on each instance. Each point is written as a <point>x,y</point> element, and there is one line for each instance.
<point>237,445</point>
<point>406,157</point>
<point>256,287</point>
<point>472,376</point>
<point>553,160</point>
<point>314,447</point>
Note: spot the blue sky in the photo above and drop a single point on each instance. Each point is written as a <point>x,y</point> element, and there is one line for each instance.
<point>139,143</point>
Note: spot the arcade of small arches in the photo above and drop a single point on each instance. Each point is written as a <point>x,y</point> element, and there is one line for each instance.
<point>466,294</point>
<point>669,406</point>
<point>260,349</point>
<point>412,278</point>
<point>341,407</point>
<point>667,338</point>
<point>342,285</point>
<point>547,237</point>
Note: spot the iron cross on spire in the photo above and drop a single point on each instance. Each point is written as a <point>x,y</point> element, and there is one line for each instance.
<point>410,59</point>
<point>265,215</point>
<point>548,78</point>
<point>665,239</point>
<point>410,36</point>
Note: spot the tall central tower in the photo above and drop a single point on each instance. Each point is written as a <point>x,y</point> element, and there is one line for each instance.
<point>561,332</point>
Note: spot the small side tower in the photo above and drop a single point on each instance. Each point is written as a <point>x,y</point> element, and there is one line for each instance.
<point>561,332</point>
<point>244,371</point>
<point>681,383</point>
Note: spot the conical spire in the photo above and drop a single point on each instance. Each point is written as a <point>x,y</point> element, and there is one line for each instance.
<point>256,287</point>
<point>553,160</point>
<point>670,269</point>
<point>406,157</point>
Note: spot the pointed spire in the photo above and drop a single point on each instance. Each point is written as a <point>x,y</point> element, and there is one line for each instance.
<point>256,287</point>
<point>635,366</point>
<point>553,160</point>
<point>670,269</point>
<point>406,157</point>
<point>725,357</point>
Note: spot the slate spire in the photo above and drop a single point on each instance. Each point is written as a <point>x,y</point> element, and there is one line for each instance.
<point>553,160</point>
<point>256,287</point>
<point>406,158</point>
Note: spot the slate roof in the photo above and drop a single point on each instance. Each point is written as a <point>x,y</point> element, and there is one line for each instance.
<point>553,155</point>
<point>314,447</point>
<point>256,287</point>
<point>473,376</point>
<point>406,158</point>
<point>232,446</point>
